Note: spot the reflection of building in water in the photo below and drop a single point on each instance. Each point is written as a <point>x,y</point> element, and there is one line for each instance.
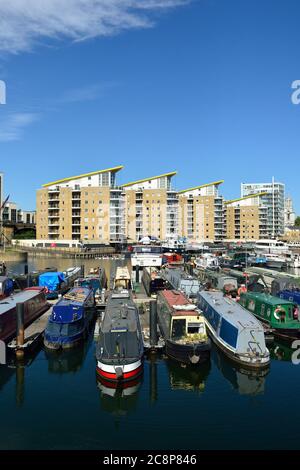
<point>190,378</point>
<point>245,381</point>
<point>118,401</point>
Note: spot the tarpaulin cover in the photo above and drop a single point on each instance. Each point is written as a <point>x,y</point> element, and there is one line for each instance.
<point>51,280</point>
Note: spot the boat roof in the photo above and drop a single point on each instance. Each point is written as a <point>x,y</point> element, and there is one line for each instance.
<point>75,296</point>
<point>267,298</point>
<point>10,302</point>
<point>232,311</point>
<point>272,273</point>
<point>120,313</point>
<point>180,273</point>
<point>122,273</point>
<point>174,297</point>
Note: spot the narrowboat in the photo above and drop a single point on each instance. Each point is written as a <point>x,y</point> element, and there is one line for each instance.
<point>120,346</point>
<point>153,281</point>
<point>217,280</point>
<point>70,319</point>
<point>234,330</point>
<point>35,304</point>
<point>182,281</point>
<point>182,327</point>
<point>21,281</point>
<point>254,282</point>
<point>6,287</point>
<point>270,275</point>
<point>122,279</point>
<point>279,314</point>
<point>58,283</point>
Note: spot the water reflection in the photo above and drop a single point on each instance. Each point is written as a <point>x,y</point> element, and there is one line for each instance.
<point>282,351</point>
<point>188,378</point>
<point>118,400</point>
<point>245,381</point>
<point>66,361</point>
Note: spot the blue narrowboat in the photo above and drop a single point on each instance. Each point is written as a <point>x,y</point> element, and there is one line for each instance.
<point>70,319</point>
<point>6,287</point>
<point>234,330</point>
<point>290,295</point>
<point>58,283</point>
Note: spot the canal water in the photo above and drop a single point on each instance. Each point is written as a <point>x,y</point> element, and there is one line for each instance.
<point>56,402</point>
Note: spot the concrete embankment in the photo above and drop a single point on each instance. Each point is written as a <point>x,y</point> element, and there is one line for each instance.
<point>72,253</point>
<point>13,256</point>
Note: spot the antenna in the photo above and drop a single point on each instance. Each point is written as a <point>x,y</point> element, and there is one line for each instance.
<point>2,235</point>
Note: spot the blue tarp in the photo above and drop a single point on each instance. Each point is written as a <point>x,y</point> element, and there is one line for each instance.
<point>51,280</point>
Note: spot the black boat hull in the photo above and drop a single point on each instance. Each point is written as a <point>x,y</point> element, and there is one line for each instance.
<point>188,354</point>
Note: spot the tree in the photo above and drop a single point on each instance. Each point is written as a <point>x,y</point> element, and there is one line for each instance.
<point>297,221</point>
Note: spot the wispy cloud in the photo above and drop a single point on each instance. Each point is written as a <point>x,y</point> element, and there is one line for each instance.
<point>89,92</point>
<point>24,23</point>
<point>12,127</point>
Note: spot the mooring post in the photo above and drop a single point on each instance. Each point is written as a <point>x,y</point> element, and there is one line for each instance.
<point>137,274</point>
<point>82,270</point>
<point>153,323</point>
<point>20,329</point>
<point>191,270</point>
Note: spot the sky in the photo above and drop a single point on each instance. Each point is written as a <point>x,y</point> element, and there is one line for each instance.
<point>199,86</point>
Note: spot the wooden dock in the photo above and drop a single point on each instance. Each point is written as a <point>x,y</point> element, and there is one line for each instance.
<point>33,333</point>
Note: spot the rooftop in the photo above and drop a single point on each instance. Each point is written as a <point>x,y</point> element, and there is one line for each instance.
<point>70,178</point>
<point>245,197</point>
<point>172,173</point>
<point>214,183</point>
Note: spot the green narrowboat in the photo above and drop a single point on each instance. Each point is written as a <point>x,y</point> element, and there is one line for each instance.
<point>279,314</point>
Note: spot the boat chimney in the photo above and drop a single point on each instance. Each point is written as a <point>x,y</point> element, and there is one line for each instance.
<point>82,270</point>
<point>153,323</point>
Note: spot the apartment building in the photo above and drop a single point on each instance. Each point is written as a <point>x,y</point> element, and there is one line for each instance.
<point>246,218</point>
<point>151,208</point>
<point>84,207</point>
<point>201,213</point>
<point>273,200</point>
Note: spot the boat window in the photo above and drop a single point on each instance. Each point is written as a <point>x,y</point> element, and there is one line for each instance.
<point>178,328</point>
<point>196,328</point>
<point>251,305</point>
<point>262,311</point>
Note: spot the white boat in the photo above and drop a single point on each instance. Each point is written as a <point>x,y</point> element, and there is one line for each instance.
<point>270,246</point>
<point>207,260</point>
<point>275,261</point>
<point>146,256</point>
<point>293,260</point>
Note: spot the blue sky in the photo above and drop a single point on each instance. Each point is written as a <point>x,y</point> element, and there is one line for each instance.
<point>200,86</point>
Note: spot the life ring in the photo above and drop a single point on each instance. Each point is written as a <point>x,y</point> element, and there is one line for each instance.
<point>276,313</point>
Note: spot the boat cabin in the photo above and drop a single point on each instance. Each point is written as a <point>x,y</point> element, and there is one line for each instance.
<point>178,318</point>
<point>269,309</point>
<point>122,279</point>
<point>218,280</point>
